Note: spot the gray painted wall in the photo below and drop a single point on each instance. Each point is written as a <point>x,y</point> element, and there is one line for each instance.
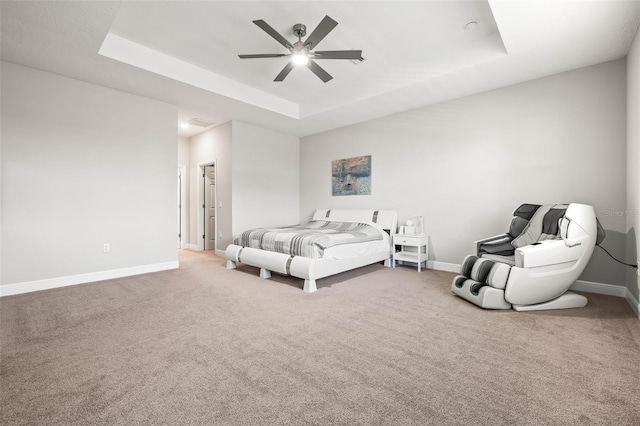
<point>633,165</point>
<point>183,162</point>
<point>466,164</point>
<point>266,173</point>
<point>257,178</point>
<point>212,146</point>
<point>83,165</point>
<point>183,151</point>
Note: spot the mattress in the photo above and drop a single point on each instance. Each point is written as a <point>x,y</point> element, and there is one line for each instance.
<point>319,239</point>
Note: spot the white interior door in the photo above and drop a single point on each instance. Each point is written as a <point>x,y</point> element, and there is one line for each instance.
<point>210,207</point>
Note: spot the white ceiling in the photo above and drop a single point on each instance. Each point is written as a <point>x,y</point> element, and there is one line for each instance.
<point>416,53</point>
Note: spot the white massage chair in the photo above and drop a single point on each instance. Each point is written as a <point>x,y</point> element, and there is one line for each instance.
<point>532,266</point>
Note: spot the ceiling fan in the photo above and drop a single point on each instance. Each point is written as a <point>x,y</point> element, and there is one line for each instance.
<point>302,53</point>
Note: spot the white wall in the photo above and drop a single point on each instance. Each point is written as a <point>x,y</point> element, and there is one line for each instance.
<point>183,165</point>
<point>466,164</point>
<point>183,151</point>
<point>212,146</point>
<point>84,165</point>
<point>266,171</point>
<point>257,179</point>
<point>633,164</point>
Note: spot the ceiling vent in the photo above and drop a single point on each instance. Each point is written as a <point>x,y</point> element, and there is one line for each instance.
<point>199,122</point>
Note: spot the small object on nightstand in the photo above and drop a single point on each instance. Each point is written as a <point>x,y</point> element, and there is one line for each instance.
<point>413,226</point>
<point>413,248</point>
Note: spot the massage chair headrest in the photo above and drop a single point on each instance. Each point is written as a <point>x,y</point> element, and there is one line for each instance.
<point>526,211</point>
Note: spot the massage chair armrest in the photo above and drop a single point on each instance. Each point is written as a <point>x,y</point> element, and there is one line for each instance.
<point>495,238</point>
<point>550,252</point>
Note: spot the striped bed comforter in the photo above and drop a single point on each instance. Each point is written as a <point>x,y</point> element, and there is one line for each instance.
<point>309,240</point>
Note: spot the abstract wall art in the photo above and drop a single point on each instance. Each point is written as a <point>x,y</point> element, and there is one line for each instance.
<point>351,176</point>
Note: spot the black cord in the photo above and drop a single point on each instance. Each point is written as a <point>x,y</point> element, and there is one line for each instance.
<point>620,261</point>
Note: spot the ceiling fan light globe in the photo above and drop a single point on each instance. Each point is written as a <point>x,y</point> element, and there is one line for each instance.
<point>300,59</point>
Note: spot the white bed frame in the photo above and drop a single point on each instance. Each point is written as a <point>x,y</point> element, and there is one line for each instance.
<point>312,269</point>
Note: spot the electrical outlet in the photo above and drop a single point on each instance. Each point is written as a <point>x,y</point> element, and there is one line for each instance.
<point>106,247</point>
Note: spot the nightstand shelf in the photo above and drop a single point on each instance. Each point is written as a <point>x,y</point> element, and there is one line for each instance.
<point>413,248</point>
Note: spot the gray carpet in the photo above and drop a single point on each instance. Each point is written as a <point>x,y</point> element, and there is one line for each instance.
<point>204,345</point>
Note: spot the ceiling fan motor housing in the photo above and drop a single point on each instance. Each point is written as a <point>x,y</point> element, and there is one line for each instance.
<point>300,30</point>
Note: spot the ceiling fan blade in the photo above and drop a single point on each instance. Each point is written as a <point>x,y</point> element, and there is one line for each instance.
<point>319,71</point>
<point>263,55</point>
<point>273,33</point>
<point>324,27</point>
<point>285,71</point>
<point>338,54</point>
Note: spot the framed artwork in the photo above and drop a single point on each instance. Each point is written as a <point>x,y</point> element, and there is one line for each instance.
<point>351,176</point>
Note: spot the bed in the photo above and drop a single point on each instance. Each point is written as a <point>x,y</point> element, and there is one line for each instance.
<point>336,241</point>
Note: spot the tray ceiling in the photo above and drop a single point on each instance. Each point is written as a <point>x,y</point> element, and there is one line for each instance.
<point>416,52</point>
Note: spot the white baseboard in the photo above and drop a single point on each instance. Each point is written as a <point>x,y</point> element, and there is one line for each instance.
<point>633,302</point>
<point>193,247</point>
<point>609,290</point>
<point>29,286</point>
<point>443,266</point>
<point>599,288</point>
<point>220,253</point>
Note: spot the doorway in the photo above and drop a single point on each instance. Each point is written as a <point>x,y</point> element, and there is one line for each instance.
<point>209,206</point>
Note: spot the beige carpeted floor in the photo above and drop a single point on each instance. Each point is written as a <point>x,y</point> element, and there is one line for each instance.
<point>204,345</point>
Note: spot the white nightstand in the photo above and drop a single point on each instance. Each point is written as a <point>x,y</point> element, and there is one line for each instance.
<point>421,244</point>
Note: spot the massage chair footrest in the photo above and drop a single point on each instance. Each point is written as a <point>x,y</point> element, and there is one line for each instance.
<point>479,293</point>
